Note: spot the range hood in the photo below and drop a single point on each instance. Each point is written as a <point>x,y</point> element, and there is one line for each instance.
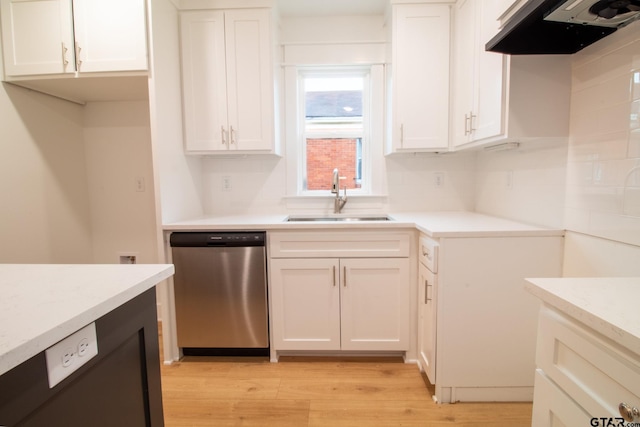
<point>562,26</point>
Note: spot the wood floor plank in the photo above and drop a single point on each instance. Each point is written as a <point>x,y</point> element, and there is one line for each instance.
<point>417,413</point>
<point>343,388</point>
<point>220,388</point>
<point>218,412</point>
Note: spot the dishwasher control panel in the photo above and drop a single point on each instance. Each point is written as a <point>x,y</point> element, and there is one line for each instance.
<point>228,238</point>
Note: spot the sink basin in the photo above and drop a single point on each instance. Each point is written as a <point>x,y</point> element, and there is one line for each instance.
<point>337,218</point>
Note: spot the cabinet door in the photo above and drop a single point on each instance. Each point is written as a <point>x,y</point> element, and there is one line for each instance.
<point>204,80</point>
<point>375,303</point>
<point>37,37</point>
<point>249,79</point>
<point>305,304</point>
<point>463,70</point>
<point>489,74</point>
<point>420,77</point>
<point>427,297</point>
<point>478,75</point>
<point>110,35</point>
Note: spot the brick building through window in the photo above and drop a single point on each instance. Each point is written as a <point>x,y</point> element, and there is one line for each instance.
<point>333,135</point>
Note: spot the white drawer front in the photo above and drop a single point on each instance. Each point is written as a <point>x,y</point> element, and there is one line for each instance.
<point>553,408</point>
<point>428,253</point>
<point>597,373</point>
<point>324,244</point>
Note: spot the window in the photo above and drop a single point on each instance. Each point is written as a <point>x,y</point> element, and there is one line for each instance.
<point>334,122</point>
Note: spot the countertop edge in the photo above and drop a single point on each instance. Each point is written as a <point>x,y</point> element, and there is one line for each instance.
<point>36,345</point>
<point>612,329</point>
<point>454,224</point>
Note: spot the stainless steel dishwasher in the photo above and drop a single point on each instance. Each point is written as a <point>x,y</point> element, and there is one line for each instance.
<point>220,288</point>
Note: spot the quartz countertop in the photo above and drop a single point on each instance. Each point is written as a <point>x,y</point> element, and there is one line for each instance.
<point>434,224</point>
<point>607,305</point>
<point>40,304</point>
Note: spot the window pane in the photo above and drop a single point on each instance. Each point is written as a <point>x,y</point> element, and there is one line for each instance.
<point>325,154</point>
<point>333,130</point>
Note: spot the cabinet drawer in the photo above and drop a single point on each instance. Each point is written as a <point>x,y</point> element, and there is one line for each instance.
<point>597,373</point>
<point>428,253</point>
<point>333,245</point>
<point>552,407</point>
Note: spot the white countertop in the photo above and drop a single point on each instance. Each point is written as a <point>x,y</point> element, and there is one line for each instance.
<point>42,304</point>
<point>607,305</point>
<point>434,224</point>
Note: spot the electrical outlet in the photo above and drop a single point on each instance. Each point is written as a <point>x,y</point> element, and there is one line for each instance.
<point>438,179</point>
<point>509,181</point>
<point>67,356</point>
<point>140,187</point>
<point>128,259</point>
<point>226,183</point>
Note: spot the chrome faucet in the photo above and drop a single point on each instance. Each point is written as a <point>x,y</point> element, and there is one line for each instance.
<point>339,202</point>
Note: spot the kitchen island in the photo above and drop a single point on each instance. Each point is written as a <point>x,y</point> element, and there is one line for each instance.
<point>44,304</point>
<point>588,351</point>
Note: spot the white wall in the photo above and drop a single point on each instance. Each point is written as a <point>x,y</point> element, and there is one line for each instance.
<point>593,183</point>
<point>44,213</point>
<point>178,177</point>
<point>120,180</point>
<point>527,184</point>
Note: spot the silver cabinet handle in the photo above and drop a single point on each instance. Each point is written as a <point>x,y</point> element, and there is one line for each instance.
<point>344,282</point>
<point>78,60</point>
<point>426,291</point>
<point>401,134</point>
<point>232,133</point>
<point>466,125</point>
<point>65,61</point>
<point>471,117</point>
<point>628,412</point>
<point>334,276</point>
<point>224,135</point>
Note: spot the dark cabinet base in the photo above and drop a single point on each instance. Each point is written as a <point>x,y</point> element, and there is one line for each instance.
<point>119,387</point>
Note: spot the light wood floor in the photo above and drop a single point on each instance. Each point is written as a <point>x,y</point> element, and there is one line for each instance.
<point>207,391</point>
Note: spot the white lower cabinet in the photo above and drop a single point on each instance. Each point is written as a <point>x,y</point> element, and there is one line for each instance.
<point>582,377</point>
<point>484,321</point>
<point>338,303</point>
<point>427,302</point>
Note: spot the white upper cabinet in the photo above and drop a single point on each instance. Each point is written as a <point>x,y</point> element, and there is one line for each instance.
<point>110,35</point>
<point>43,37</point>
<point>478,75</point>
<point>419,78</point>
<point>228,84</point>
<point>500,98</point>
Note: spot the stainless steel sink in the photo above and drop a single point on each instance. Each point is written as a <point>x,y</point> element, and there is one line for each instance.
<point>337,218</point>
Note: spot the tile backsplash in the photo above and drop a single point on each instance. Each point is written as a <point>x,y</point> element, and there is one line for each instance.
<point>603,168</point>
<point>592,184</point>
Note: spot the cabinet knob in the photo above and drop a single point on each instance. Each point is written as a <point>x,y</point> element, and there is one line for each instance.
<point>629,413</point>
<point>426,253</point>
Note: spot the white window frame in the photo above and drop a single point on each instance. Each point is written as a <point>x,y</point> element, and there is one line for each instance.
<point>364,134</point>
<point>373,159</point>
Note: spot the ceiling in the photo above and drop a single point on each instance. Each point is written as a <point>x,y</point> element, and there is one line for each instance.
<point>331,7</point>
